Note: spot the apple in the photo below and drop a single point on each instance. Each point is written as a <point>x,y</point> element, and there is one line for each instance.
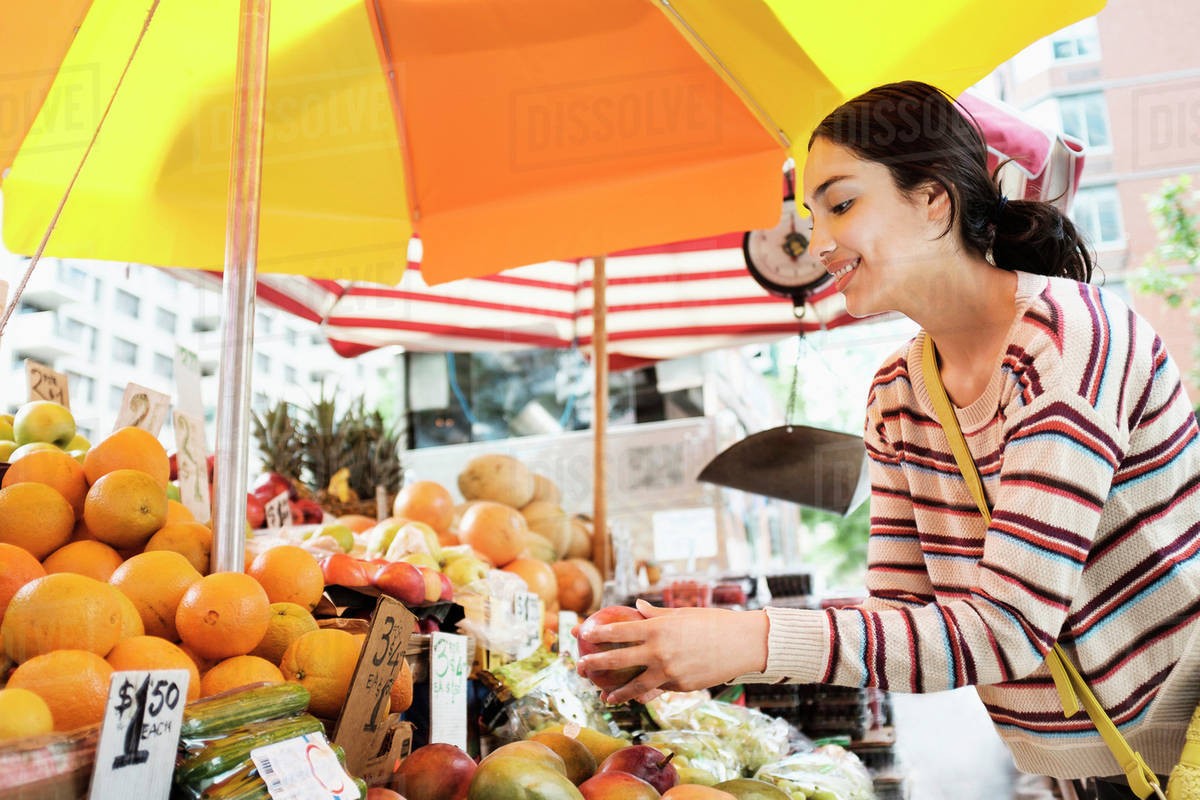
<point>339,533</point>
<point>268,485</point>
<point>256,511</point>
<point>435,772</point>
<point>173,464</point>
<point>428,625</point>
<point>6,429</point>
<point>433,583</point>
<point>402,581</point>
<point>617,786</point>
<point>447,594</point>
<point>311,512</point>
<point>32,447</point>
<point>7,446</point>
<point>645,762</point>
<point>43,421</point>
<point>465,570</point>
<point>380,793</point>
<point>608,679</point>
<point>173,492</point>
<point>423,560</point>
<point>344,570</point>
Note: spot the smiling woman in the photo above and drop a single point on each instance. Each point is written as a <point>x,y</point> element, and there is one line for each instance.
<point>1084,543</point>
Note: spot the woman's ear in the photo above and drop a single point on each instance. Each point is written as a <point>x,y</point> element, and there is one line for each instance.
<point>936,198</point>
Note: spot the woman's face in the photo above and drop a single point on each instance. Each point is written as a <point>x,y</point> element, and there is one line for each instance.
<point>879,244</point>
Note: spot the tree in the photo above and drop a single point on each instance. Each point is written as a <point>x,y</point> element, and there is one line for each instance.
<point>1170,267</point>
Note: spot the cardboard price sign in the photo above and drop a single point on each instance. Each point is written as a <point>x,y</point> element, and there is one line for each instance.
<point>143,408</point>
<point>192,462</point>
<point>448,670</point>
<point>135,756</point>
<point>523,611</point>
<point>279,511</point>
<point>46,384</point>
<point>363,726</point>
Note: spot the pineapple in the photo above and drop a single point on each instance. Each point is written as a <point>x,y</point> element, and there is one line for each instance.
<point>278,441</point>
<point>323,442</point>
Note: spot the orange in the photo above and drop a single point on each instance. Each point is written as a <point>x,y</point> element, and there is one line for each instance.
<point>538,576</point>
<point>238,671</point>
<point>128,448</point>
<point>402,689</point>
<point>61,610</point>
<point>323,662</point>
<point>202,664</point>
<point>56,469</point>
<point>17,568</point>
<point>358,523</point>
<point>131,620</point>
<point>287,624</point>
<point>81,532</point>
<point>36,517</point>
<point>223,614</point>
<point>191,540</point>
<point>94,559</point>
<point>425,501</point>
<point>124,508</point>
<point>23,714</point>
<point>289,574</point>
<point>496,531</point>
<point>151,652</point>
<point>156,582</point>
<point>178,512</point>
<point>74,684</point>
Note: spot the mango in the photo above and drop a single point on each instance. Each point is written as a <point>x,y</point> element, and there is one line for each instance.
<point>750,789</point>
<point>516,778</point>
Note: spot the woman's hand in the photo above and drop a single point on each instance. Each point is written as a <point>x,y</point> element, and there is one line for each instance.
<point>682,649</point>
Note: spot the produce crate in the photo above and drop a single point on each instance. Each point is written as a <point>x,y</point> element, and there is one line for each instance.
<point>57,766</point>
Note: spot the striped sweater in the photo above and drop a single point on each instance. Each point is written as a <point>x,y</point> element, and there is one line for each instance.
<point>1090,458</point>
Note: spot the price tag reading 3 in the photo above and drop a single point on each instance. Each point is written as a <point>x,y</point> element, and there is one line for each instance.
<point>135,756</point>
<point>448,671</point>
<point>46,384</point>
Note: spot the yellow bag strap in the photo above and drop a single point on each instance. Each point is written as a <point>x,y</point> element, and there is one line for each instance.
<point>1073,690</point>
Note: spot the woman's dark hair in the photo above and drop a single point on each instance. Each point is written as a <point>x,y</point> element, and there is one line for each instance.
<point>921,135</point>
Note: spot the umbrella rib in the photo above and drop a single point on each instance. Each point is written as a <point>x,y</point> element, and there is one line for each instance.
<point>688,31</point>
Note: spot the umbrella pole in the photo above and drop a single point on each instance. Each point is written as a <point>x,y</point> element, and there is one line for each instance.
<point>241,255</point>
<point>601,546</point>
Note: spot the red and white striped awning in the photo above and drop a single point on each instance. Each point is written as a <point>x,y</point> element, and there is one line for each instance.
<point>662,302</point>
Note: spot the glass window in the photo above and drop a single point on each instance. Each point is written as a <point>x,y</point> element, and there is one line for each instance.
<point>289,374</point>
<point>127,303</point>
<point>124,352</point>
<point>291,337</point>
<point>262,362</point>
<point>1098,214</point>
<point>1078,41</point>
<point>165,320</point>
<point>164,365</point>
<point>1085,117</point>
<point>262,324</point>
<point>82,387</point>
<point>77,332</point>
<point>115,395</point>
<point>261,402</point>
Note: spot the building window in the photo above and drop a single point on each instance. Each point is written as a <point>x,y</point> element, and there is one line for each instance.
<point>164,366</point>
<point>127,303</point>
<point>1076,42</point>
<point>1098,214</point>
<point>289,374</point>
<point>82,387</point>
<point>262,324</point>
<point>77,332</point>
<point>1085,117</point>
<point>124,352</point>
<point>291,337</point>
<point>165,320</point>
<point>262,363</point>
<point>261,402</point>
<point>116,394</point>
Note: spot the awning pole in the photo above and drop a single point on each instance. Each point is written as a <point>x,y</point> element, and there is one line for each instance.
<point>601,544</point>
<point>241,256</point>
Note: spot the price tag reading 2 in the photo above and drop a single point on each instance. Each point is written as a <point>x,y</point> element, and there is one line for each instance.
<point>46,384</point>
<point>135,756</point>
<point>448,689</point>
<point>364,716</point>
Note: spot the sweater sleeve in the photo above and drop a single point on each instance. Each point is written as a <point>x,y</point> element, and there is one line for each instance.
<point>1058,464</point>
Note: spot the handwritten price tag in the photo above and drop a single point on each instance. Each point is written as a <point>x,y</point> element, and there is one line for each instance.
<point>187,382</point>
<point>448,670</point>
<point>135,756</point>
<point>527,613</point>
<point>46,384</point>
<point>278,511</point>
<point>361,722</point>
<point>303,768</point>
<point>192,459</point>
<point>143,408</point>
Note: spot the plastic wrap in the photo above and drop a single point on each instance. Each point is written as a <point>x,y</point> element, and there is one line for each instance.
<point>755,738</point>
<point>702,750</point>
<point>827,773</point>
<point>547,692</point>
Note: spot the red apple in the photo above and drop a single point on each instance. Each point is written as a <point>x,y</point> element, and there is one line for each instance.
<point>617,786</point>
<point>402,581</point>
<point>311,512</point>
<point>256,511</point>
<point>344,570</point>
<point>645,762</point>
<point>173,461</point>
<point>428,625</point>
<point>270,485</point>
<point>380,793</point>
<point>435,772</point>
<point>212,466</point>
<point>608,679</point>
<point>447,588</point>
<point>433,584</point>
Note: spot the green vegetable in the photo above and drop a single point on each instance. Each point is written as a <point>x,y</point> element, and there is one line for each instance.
<point>221,714</point>
<point>222,755</point>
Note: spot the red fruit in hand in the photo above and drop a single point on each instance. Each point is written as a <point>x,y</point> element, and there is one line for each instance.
<point>343,570</point>
<point>608,679</point>
<point>645,762</point>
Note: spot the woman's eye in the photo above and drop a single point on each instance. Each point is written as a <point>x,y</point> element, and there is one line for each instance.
<point>842,207</point>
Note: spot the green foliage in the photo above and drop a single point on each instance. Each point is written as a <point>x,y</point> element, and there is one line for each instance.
<point>1170,267</point>
<point>843,555</point>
